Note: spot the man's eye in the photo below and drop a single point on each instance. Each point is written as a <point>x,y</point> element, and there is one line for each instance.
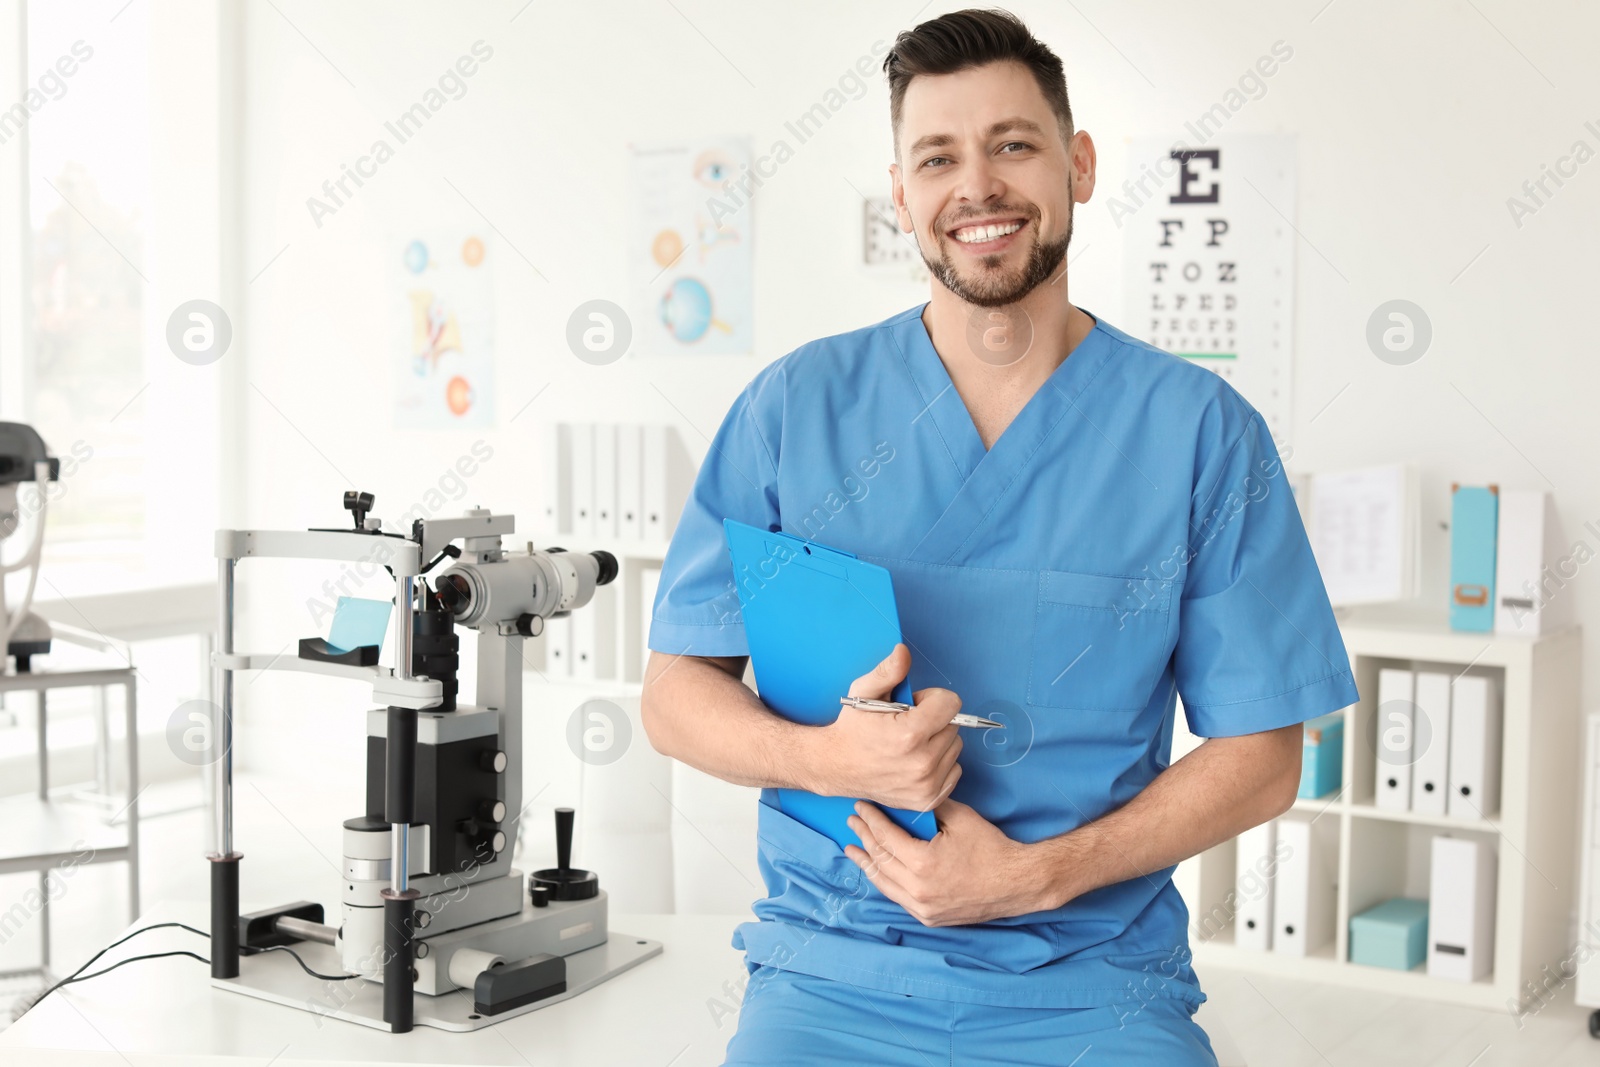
<point>1020,145</point>
<point>935,159</point>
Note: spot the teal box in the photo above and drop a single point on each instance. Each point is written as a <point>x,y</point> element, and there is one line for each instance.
<point>1393,934</point>
<point>1474,527</point>
<point>1322,758</point>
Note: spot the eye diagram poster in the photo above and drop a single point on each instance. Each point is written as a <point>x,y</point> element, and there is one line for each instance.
<point>1209,254</point>
<point>444,319</point>
<point>689,254</point>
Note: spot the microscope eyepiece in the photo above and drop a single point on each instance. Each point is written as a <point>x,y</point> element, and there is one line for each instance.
<point>543,583</point>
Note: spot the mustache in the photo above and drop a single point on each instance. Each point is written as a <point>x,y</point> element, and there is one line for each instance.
<point>1031,214</point>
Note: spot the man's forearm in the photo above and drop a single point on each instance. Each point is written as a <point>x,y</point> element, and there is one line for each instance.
<point>699,713</point>
<point>1222,788</point>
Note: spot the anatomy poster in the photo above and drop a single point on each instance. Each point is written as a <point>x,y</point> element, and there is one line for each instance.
<point>445,325</point>
<point>689,249</point>
<point>1209,247</point>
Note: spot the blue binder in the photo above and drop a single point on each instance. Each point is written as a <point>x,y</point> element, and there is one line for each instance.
<point>1474,525</point>
<point>816,619</point>
<point>1322,756</point>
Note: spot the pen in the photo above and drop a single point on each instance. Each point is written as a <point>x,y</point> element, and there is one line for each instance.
<point>961,719</point>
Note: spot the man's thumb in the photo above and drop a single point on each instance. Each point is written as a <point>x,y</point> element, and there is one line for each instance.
<point>879,683</point>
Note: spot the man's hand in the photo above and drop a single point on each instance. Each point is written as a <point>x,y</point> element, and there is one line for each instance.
<point>902,760</point>
<point>970,872</point>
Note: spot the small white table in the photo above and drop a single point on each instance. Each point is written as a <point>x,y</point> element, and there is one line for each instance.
<point>676,1010</point>
<point>46,834</point>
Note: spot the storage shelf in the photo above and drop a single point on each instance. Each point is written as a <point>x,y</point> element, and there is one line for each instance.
<point>1382,853</point>
<point>1323,966</point>
<point>1319,805</point>
<point>1443,822</point>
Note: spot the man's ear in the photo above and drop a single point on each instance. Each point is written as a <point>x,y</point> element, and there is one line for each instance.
<point>897,192</point>
<point>1081,148</point>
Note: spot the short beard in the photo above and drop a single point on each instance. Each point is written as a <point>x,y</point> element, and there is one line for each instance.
<point>1043,262</point>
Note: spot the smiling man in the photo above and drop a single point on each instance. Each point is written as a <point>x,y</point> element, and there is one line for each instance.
<point>1080,529</point>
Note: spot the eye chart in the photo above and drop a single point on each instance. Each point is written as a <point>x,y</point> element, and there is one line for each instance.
<point>1210,258</point>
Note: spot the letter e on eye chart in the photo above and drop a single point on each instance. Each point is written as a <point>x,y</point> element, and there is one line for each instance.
<point>1209,251</point>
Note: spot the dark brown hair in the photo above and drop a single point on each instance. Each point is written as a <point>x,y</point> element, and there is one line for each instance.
<point>972,38</point>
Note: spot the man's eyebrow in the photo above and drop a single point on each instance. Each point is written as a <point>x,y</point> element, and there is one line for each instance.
<point>942,140</point>
<point>1017,125</point>
<point>932,140</point>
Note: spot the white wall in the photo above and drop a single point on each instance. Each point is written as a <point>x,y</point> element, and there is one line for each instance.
<point>1415,124</point>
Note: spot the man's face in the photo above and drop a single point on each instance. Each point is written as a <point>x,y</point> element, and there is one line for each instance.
<point>985,182</point>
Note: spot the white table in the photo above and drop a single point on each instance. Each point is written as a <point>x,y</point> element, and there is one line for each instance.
<point>44,834</point>
<point>678,1009</point>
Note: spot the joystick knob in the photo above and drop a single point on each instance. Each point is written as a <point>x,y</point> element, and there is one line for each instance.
<point>564,881</point>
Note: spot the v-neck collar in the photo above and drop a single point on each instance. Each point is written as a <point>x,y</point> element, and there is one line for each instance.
<point>941,403</point>
<point>984,479</point>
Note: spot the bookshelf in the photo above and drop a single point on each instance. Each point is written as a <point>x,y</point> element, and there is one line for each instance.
<point>1382,854</point>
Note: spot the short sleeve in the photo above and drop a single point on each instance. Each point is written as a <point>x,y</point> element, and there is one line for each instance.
<point>1258,647</point>
<point>696,611</point>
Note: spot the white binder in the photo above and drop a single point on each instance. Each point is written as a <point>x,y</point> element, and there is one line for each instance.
<point>668,475</point>
<point>1461,896</point>
<point>1396,731</point>
<point>605,481</point>
<point>594,637</point>
<point>558,647</point>
<point>556,463</point>
<point>583,522</point>
<point>1475,748</point>
<point>630,477</point>
<point>1252,887</point>
<point>1430,775</point>
<point>1530,598</point>
<point>1302,891</point>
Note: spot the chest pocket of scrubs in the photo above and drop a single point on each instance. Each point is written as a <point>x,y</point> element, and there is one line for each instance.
<point>1099,641</point>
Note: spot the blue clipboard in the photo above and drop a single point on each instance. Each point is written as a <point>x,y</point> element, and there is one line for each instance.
<point>816,619</point>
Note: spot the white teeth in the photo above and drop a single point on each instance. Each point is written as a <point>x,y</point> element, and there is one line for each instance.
<point>975,234</point>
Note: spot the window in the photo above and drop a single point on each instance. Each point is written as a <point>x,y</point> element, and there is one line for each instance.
<point>88,204</point>
<point>114,139</point>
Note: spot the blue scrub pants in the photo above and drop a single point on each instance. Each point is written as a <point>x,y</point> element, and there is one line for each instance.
<point>791,1018</point>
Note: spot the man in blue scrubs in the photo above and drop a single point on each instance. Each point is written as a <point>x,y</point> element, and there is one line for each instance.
<point>1080,528</point>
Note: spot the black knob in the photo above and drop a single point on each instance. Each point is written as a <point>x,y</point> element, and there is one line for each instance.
<point>492,811</point>
<point>608,566</point>
<point>564,881</point>
<point>358,504</point>
<point>540,895</point>
<point>493,761</point>
<point>1427,787</point>
<point>1393,783</point>
<point>564,818</point>
<point>529,625</point>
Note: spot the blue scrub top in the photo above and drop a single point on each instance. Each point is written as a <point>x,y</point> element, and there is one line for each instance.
<point>1130,537</point>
